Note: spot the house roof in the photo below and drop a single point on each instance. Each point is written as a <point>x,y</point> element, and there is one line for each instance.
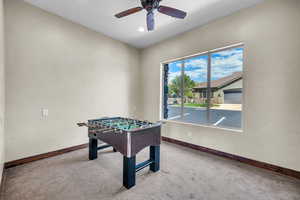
<point>222,81</point>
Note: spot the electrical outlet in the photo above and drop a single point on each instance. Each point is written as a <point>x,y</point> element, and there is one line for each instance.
<point>45,113</point>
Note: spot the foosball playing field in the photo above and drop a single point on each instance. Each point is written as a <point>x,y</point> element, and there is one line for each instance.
<point>124,124</point>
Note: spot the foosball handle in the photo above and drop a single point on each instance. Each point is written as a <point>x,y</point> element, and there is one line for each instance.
<point>81,124</point>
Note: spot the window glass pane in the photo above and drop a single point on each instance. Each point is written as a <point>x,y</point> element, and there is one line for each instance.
<point>227,86</point>
<point>206,89</point>
<point>174,91</point>
<point>195,92</point>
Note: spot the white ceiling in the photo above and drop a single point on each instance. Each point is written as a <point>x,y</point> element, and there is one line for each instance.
<point>98,15</point>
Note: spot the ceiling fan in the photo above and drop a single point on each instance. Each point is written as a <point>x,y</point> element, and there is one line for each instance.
<point>150,6</point>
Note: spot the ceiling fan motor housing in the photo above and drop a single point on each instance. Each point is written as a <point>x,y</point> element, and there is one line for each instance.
<point>150,5</point>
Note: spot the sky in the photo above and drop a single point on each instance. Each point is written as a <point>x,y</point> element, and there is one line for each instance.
<point>224,63</point>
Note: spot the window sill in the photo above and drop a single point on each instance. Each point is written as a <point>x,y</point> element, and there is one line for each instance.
<point>201,125</point>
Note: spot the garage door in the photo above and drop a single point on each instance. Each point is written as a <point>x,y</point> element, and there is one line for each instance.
<point>233,97</point>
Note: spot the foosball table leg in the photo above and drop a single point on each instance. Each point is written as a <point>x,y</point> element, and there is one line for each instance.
<point>129,172</point>
<point>154,156</point>
<point>93,149</point>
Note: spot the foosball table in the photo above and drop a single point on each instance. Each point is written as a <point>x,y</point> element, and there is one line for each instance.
<point>127,136</point>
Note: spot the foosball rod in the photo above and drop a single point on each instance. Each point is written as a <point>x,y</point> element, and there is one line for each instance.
<point>104,127</point>
<point>89,126</point>
<point>100,130</point>
<point>106,130</point>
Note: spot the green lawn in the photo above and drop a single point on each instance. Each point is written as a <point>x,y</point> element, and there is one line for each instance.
<point>204,105</point>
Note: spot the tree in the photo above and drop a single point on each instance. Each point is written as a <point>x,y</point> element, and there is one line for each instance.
<point>175,86</point>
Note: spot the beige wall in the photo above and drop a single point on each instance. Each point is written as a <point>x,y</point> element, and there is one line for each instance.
<point>74,72</point>
<point>1,91</point>
<point>271,33</point>
<point>79,74</point>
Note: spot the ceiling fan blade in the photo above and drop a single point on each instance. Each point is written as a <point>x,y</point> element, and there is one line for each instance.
<point>128,12</point>
<point>172,12</point>
<point>150,21</point>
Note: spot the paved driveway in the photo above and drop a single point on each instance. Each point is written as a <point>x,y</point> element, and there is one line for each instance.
<point>220,118</point>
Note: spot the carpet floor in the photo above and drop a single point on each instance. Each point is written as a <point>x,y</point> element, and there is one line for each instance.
<point>185,174</point>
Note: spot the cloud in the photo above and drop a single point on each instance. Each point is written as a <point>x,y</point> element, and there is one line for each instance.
<point>223,64</point>
<point>197,75</point>
<point>173,75</point>
<point>195,63</point>
<point>230,52</point>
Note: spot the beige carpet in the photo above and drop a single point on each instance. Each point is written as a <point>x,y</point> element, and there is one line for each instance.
<point>185,174</point>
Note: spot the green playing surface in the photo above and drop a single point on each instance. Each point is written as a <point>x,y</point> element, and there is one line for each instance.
<point>123,124</point>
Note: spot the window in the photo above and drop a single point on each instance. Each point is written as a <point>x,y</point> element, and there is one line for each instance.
<point>204,94</point>
<point>205,89</point>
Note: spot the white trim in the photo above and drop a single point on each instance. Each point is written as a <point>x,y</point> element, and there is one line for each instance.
<point>161,100</point>
<point>201,125</point>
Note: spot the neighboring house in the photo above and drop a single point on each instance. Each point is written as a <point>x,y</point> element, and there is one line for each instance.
<point>226,90</point>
